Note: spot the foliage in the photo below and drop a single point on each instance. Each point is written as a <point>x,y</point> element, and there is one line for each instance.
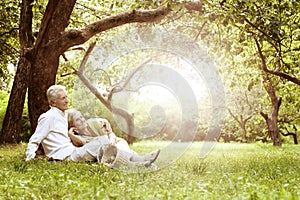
<point>230,171</point>
<point>9,18</point>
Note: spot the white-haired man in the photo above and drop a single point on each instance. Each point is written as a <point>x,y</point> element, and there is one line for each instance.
<point>52,133</point>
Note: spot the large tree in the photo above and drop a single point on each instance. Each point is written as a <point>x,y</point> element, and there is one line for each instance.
<point>39,59</point>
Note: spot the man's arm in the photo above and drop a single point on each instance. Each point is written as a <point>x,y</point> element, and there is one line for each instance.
<point>40,133</point>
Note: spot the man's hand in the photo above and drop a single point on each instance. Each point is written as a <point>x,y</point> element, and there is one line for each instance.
<point>30,151</point>
<point>30,157</point>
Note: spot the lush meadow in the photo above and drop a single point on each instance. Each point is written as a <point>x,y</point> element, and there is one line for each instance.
<point>230,171</point>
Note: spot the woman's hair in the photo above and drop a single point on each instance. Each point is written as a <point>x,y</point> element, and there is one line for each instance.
<point>52,92</point>
<point>71,115</point>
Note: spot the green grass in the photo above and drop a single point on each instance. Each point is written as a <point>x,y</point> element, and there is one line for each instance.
<point>230,171</point>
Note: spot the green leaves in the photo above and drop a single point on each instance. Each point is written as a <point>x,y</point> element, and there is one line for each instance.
<point>9,18</point>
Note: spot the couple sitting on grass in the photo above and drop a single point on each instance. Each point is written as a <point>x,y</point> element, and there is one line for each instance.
<point>66,135</point>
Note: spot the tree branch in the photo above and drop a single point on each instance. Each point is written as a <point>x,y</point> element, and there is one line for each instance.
<point>265,116</point>
<point>199,31</point>
<point>8,32</point>
<point>107,75</point>
<point>267,82</point>
<point>75,37</point>
<point>235,117</point>
<point>277,73</point>
<point>85,58</point>
<point>51,7</point>
<point>261,31</point>
<point>194,6</point>
<point>120,88</point>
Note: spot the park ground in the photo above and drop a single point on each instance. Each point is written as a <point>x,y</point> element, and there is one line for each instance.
<point>229,171</point>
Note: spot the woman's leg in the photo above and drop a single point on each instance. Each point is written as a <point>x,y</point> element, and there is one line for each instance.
<point>135,157</point>
<point>123,145</point>
<point>88,152</point>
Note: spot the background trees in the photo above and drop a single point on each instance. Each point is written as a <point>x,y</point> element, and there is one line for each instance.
<point>9,48</point>
<point>264,34</point>
<point>254,43</point>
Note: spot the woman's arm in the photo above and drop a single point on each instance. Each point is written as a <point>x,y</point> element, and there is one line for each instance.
<point>108,130</point>
<point>112,138</point>
<point>77,140</point>
<point>105,124</point>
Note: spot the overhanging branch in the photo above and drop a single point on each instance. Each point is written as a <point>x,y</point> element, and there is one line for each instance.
<point>75,37</point>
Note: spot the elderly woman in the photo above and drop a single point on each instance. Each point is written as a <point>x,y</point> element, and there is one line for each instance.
<point>83,131</point>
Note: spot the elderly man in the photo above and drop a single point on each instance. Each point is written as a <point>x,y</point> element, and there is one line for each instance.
<point>52,133</point>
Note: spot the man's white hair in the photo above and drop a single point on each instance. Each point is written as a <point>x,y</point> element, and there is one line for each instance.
<point>52,92</point>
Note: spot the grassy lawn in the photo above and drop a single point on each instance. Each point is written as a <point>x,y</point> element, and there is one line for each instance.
<point>230,171</point>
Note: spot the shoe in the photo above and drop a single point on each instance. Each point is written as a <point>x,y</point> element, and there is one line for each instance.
<point>154,155</point>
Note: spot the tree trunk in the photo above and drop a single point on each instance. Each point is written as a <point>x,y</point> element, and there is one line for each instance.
<point>272,125</point>
<point>41,78</point>
<point>272,119</point>
<point>243,126</point>
<point>11,128</point>
<point>45,56</point>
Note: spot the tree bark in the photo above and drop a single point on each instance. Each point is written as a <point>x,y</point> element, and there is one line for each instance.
<point>11,128</point>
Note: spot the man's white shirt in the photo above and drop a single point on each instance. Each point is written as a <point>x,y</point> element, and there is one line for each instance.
<point>52,133</point>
